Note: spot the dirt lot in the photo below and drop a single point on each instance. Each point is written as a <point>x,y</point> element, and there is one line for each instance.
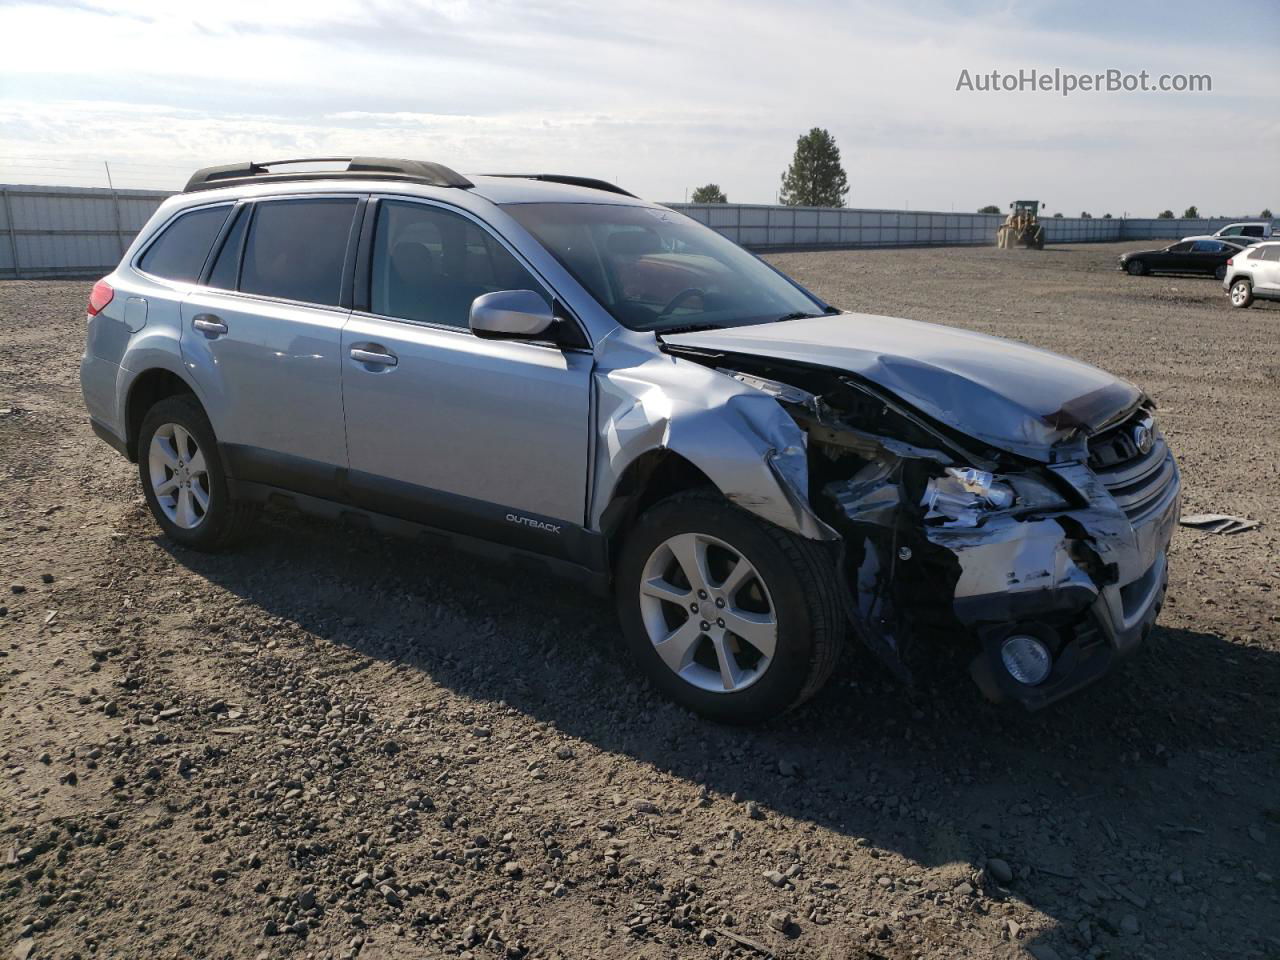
<point>329,744</point>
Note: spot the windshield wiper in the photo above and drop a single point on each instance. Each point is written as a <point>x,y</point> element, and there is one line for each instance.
<point>801,315</point>
<point>689,328</point>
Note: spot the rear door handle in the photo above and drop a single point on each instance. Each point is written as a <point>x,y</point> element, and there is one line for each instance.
<point>208,323</point>
<point>381,358</point>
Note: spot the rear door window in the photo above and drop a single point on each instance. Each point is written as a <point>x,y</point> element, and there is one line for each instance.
<point>1251,231</point>
<point>180,251</point>
<point>296,249</point>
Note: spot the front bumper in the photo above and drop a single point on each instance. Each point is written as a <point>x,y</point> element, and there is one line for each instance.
<point>1089,582</point>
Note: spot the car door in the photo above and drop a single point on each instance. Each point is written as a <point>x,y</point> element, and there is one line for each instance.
<point>1173,258</point>
<point>1205,256</point>
<point>484,437</point>
<point>262,338</point>
<point>1266,271</point>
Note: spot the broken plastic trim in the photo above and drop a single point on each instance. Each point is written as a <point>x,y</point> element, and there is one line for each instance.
<point>875,469</point>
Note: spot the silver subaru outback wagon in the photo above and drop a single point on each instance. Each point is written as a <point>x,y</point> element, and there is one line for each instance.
<point>603,387</point>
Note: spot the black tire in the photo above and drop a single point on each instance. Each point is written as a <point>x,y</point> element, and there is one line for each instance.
<point>1241,293</point>
<point>1220,272</point>
<point>1136,268</point>
<point>225,520</point>
<point>799,576</point>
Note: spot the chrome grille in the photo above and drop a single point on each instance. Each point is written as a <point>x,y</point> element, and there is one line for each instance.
<point>1137,481</point>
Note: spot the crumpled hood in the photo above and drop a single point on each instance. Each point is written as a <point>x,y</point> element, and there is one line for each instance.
<point>1010,395</point>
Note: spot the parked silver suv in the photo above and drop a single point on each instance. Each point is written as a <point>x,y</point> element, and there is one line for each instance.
<point>602,386</point>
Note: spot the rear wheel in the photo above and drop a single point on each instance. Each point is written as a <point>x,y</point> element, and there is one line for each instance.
<point>727,615</point>
<point>1136,268</point>
<point>1241,293</point>
<point>183,478</point>
<point>1220,273</point>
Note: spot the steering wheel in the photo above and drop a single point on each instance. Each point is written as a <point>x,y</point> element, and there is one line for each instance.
<point>680,298</point>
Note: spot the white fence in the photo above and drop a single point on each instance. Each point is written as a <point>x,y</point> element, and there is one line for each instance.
<point>68,231</point>
<point>1176,229</point>
<point>782,228</point>
<point>81,231</point>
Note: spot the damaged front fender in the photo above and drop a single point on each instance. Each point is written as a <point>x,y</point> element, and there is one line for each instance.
<point>740,438</point>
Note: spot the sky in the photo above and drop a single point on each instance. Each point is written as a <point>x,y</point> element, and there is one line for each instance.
<point>659,96</point>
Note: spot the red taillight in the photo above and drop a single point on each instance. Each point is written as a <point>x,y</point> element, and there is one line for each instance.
<point>1230,260</point>
<point>100,297</point>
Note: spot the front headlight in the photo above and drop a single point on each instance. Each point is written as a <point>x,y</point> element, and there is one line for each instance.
<point>965,496</point>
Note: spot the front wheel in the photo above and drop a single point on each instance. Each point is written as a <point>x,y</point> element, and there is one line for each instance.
<point>1241,293</point>
<point>1136,268</point>
<point>726,614</point>
<point>183,479</point>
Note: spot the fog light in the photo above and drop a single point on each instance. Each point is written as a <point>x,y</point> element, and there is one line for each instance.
<point>1027,659</point>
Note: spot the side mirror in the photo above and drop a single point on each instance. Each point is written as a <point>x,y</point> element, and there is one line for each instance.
<point>510,315</point>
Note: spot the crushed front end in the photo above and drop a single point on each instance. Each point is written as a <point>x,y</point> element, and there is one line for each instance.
<point>1040,573</point>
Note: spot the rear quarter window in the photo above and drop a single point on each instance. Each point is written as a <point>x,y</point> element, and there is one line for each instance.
<point>180,250</point>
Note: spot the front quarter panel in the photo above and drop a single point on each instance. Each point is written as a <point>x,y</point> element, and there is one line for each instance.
<point>743,441</point>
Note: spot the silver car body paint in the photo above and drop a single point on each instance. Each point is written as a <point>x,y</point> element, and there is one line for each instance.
<point>740,438</point>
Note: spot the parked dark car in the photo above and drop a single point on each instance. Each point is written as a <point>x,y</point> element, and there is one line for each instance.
<point>1186,256</point>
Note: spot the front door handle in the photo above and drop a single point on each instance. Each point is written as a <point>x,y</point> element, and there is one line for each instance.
<point>208,323</point>
<point>381,358</point>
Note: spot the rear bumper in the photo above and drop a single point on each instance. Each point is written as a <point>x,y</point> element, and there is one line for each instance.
<point>99,382</point>
<point>1088,583</point>
<point>105,434</point>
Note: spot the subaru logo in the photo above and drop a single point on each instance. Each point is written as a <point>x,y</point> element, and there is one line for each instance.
<point>1143,436</point>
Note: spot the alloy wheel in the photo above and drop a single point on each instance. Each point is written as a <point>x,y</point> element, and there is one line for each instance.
<point>708,613</point>
<point>179,475</point>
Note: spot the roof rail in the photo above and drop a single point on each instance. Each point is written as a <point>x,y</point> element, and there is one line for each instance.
<point>363,168</point>
<point>591,183</point>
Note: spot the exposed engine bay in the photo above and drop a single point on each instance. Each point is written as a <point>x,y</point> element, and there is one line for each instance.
<point>1032,570</point>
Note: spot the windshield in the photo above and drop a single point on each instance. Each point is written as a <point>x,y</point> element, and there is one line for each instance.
<point>656,269</point>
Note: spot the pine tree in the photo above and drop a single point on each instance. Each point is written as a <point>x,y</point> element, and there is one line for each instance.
<point>815,177</point>
<point>711,193</point>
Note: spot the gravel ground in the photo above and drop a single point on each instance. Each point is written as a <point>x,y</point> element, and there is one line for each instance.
<point>328,744</point>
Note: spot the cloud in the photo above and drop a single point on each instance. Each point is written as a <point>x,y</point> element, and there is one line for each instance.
<point>660,95</point>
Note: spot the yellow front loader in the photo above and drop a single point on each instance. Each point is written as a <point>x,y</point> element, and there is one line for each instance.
<point>1022,227</point>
